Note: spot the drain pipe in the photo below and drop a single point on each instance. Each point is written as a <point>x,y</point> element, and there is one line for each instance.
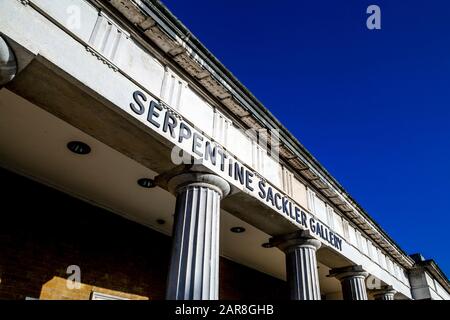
<point>8,63</point>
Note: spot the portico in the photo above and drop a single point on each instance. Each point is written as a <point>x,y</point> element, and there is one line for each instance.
<point>169,115</point>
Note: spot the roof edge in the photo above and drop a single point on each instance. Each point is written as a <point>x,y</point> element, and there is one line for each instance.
<point>254,105</point>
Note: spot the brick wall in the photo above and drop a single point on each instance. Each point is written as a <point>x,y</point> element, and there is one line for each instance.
<point>47,231</point>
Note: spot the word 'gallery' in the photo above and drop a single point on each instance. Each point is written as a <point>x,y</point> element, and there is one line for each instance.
<point>132,147</point>
<point>206,150</point>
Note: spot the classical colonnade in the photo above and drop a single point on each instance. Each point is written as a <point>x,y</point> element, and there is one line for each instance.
<point>194,272</point>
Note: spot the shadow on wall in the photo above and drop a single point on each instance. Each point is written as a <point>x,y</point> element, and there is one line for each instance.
<point>46,231</point>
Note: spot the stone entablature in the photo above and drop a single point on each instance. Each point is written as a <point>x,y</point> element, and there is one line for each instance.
<point>122,50</point>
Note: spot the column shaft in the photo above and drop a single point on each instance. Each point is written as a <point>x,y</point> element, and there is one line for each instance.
<point>354,288</point>
<point>301,264</point>
<point>302,276</point>
<point>385,297</point>
<point>385,293</point>
<point>353,282</point>
<point>194,265</point>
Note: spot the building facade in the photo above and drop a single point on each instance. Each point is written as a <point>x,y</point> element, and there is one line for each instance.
<point>145,170</point>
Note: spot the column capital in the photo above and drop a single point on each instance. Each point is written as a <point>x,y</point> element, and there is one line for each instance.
<point>8,63</point>
<point>384,293</point>
<point>290,241</point>
<point>193,178</point>
<point>356,271</point>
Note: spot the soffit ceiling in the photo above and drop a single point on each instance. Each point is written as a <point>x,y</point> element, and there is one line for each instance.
<point>33,143</point>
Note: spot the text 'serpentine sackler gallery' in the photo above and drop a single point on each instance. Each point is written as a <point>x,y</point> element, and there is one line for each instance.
<point>138,167</point>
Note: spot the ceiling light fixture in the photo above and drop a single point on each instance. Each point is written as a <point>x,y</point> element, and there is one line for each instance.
<point>237,229</point>
<point>146,183</point>
<point>78,147</point>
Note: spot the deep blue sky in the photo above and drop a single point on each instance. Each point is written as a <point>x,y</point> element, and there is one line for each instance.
<point>372,106</point>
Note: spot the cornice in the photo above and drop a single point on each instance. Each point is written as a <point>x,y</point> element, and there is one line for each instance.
<point>156,24</point>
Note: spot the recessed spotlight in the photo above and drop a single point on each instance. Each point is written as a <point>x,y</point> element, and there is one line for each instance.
<point>78,147</point>
<point>160,221</point>
<point>267,245</point>
<point>146,183</point>
<point>237,229</point>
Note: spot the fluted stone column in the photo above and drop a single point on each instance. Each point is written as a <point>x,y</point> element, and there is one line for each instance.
<point>352,281</point>
<point>8,63</point>
<point>301,264</point>
<point>194,265</point>
<point>386,293</point>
